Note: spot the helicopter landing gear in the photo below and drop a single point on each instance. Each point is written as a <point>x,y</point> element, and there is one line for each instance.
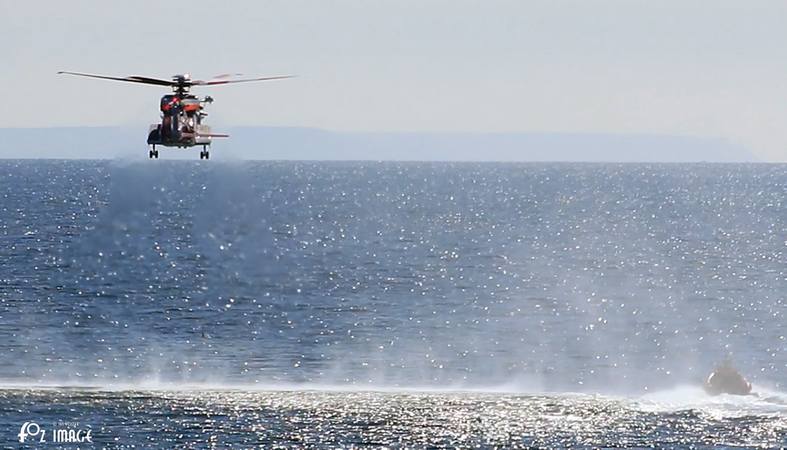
<point>204,154</point>
<point>153,153</point>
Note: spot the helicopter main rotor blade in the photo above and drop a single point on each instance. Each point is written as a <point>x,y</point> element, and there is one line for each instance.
<point>130,79</point>
<point>147,80</point>
<point>226,76</point>
<point>216,82</point>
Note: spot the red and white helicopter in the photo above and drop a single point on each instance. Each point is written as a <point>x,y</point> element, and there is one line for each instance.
<point>182,113</point>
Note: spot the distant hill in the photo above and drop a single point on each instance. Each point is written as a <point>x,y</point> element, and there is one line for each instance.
<point>281,143</point>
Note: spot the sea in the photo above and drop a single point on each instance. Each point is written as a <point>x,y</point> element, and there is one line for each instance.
<point>237,304</point>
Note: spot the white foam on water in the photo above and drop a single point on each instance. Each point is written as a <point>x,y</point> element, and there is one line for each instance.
<point>763,401</point>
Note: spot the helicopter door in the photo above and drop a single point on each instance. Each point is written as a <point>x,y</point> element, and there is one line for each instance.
<point>169,128</point>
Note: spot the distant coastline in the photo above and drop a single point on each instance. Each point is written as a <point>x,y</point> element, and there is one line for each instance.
<point>294,143</point>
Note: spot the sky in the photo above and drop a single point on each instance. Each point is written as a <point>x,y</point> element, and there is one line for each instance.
<point>710,69</point>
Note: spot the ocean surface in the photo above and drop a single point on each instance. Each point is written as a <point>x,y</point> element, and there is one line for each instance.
<point>172,304</point>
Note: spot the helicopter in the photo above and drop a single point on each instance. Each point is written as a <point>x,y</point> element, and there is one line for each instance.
<point>182,114</point>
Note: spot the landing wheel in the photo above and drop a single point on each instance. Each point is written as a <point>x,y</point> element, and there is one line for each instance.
<point>204,154</point>
<point>153,154</point>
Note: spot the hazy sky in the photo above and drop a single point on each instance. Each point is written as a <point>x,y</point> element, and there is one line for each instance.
<point>699,68</point>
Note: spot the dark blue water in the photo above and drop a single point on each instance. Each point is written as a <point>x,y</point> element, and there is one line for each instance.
<point>166,303</point>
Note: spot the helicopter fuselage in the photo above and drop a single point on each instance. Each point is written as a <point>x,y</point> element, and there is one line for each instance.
<point>181,122</point>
